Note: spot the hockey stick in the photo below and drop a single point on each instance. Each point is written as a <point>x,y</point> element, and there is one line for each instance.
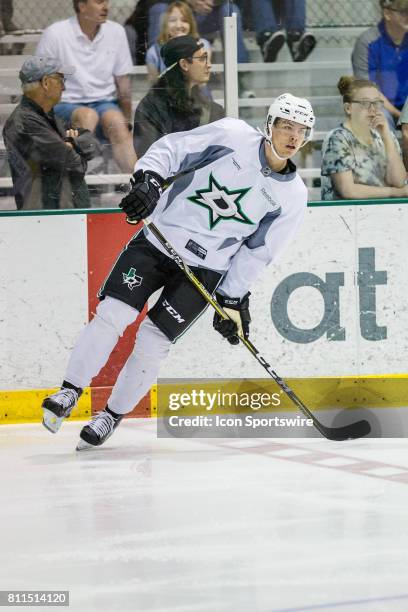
<point>347,432</point>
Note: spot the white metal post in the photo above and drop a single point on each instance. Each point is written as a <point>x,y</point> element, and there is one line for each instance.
<point>230,66</point>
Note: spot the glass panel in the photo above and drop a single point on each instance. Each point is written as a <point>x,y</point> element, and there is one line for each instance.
<point>278,36</point>
<point>185,79</point>
<point>268,42</point>
<point>195,96</point>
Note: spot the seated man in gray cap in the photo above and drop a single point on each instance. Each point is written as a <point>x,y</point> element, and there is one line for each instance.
<point>47,162</point>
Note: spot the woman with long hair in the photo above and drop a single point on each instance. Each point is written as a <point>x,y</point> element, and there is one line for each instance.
<point>178,20</point>
<point>362,158</point>
<point>176,102</point>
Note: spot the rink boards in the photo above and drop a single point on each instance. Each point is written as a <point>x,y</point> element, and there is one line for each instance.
<point>331,315</point>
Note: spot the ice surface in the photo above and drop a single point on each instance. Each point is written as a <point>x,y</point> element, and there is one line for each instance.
<point>165,525</point>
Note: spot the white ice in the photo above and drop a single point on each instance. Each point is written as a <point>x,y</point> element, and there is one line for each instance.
<point>179,525</point>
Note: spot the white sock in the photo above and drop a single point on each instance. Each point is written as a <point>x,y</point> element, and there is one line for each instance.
<point>97,340</point>
<point>141,369</point>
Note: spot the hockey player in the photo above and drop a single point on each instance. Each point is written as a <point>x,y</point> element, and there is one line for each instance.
<point>235,202</point>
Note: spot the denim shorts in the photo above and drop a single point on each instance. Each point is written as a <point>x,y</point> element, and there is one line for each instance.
<point>64,110</point>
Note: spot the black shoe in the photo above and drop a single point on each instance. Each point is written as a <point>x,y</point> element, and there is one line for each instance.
<point>272,44</point>
<point>302,48</point>
<point>100,428</point>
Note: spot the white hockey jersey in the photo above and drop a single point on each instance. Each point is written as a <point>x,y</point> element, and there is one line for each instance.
<point>227,211</point>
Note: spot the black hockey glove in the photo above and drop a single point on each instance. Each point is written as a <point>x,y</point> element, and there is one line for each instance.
<point>238,323</point>
<point>140,202</point>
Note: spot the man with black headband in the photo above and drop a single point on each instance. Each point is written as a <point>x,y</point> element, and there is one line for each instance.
<point>179,100</point>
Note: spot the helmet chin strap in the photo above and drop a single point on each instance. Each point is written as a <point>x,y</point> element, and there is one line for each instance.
<point>269,141</point>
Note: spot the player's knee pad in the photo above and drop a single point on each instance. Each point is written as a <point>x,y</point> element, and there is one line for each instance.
<point>116,314</point>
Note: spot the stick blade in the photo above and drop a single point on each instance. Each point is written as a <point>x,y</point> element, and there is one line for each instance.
<point>347,432</point>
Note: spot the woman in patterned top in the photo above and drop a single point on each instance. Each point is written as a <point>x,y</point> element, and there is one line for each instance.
<point>362,158</point>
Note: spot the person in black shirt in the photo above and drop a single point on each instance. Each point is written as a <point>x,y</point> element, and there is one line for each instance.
<point>176,102</point>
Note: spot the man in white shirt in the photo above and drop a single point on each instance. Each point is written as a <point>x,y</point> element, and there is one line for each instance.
<point>98,94</point>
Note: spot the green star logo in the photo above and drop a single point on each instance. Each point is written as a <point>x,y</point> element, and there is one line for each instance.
<point>131,279</point>
<point>223,204</point>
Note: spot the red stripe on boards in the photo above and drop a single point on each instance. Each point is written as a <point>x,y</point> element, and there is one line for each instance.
<point>107,235</point>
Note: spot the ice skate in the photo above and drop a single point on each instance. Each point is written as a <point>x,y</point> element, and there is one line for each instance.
<point>98,430</point>
<point>58,407</point>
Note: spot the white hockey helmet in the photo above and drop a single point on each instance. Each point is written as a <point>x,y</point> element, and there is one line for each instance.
<point>292,108</point>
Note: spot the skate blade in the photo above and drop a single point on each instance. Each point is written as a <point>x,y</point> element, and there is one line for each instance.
<point>82,445</point>
<point>51,421</point>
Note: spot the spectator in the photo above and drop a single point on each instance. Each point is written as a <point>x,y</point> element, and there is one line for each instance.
<point>209,15</point>
<point>176,103</point>
<point>178,20</point>
<point>100,90</point>
<point>380,54</point>
<point>403,122</point>
<point>47,163</point>
<point>270,16</point>
<point>361,158</point>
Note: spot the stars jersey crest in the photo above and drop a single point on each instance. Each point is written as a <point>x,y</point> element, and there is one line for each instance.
<point>223,204</point>
<point>220,200</point>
